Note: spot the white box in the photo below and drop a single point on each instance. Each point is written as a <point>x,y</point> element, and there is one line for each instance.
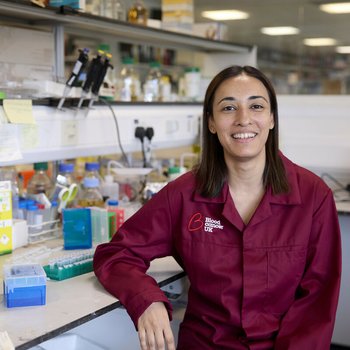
<point>211,30</point>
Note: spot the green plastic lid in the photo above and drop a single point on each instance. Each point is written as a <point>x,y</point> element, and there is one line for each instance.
<point>41,166</point>
<point>128,60</point>
<point>154,64</point>
<point>2,95</point>
<point>104,47</point>
<point>174,170</point>
<point>192,69</point>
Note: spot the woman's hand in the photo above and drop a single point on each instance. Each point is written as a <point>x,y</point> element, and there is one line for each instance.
<point>154,328</point>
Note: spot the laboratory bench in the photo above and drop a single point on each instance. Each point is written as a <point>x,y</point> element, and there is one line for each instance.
<point>69,303</point>
<point>82,302</point>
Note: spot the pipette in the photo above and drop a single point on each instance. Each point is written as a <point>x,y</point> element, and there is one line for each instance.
<point>93,72</point>
<point>78,67</point>
<point>98,82</point>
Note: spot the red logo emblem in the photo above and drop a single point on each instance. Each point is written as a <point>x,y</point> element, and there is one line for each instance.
<point>196,222</point>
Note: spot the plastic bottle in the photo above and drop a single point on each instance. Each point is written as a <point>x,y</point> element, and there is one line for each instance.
<point>151,88</point>
<point>192,83</point>
<point>113,9</point>
<point>138,13</point>
<point>91,196</point>
<point>109,188</point>
<point>65,175</point>
<point>113,206</point>
<point>130,89</point>
<point>40,182</point>
<point>92,170</point>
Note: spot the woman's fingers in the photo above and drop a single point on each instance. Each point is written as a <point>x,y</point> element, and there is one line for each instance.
<point>154,329</point>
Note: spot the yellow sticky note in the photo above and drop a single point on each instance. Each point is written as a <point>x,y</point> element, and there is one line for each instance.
<point>19,111</point>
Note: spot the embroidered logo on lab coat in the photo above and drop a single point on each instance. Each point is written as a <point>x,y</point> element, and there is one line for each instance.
<point>198,221</point>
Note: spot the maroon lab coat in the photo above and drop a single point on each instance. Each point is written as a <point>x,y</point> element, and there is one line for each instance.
<point>270,284</point>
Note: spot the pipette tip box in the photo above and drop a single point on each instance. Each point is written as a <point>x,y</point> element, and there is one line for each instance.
<point>24,285</point>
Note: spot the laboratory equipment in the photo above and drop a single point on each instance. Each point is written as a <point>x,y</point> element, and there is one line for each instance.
<point>40,182</point>
<point>76,226</point>
<point>77,69</point>
<point>91,196</point>
<point>70,265</point>
<point>151,88</point>
<point>96,85</point>
<point>24,285</point>
<point>92,74</point>
<point>67,195</point>
<point>138,13</point>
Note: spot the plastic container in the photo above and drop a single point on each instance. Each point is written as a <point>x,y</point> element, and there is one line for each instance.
<point>138,13</point>
<point>151,88</point>
<point>130,87</point>
<point>113,9</point>
<point>192,83</point>
<point>24,285</point>
<point>113,206</point>
<point>40,182</point>
<point>109,188</point>
<point>65,175</point>
<point>76,226</point>
<point>91,195</point>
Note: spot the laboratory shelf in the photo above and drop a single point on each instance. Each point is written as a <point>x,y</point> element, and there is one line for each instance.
<point>20,11</point>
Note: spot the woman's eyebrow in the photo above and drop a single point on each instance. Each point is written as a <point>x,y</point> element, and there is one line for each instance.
<point>231,98</point>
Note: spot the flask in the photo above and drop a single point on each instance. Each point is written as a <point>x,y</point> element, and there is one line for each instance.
<point>91,196</point>
<point>151,87</point>
<point>40,182</point>
<point>129,81</point>
<point>138,13</point>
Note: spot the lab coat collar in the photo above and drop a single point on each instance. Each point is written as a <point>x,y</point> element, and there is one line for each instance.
<point>293,197</point>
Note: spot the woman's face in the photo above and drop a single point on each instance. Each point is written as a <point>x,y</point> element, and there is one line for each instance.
<point>242,118</point>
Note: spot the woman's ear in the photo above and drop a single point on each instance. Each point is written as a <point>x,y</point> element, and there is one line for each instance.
<point>272,122</point>
<point>211,126</point>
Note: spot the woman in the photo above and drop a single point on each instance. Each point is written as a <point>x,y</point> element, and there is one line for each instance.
<point>257,235</point>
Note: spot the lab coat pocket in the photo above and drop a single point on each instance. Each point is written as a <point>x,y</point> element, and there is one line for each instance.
<point>285,267</point>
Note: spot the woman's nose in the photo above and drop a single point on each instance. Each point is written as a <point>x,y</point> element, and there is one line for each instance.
<point>242,117</point>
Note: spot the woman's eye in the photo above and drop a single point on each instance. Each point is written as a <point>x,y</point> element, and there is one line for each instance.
<point>257,106</point>
<point>229,108</point>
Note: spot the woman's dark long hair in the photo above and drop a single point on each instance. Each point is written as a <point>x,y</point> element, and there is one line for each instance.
<point>211,172</point>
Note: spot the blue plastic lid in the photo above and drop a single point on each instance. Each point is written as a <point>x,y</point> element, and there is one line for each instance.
<point>113,202</point>
<point>66,168</point>
<point>22,204</point>
<point>90,182</point>
<point>32,207</point>
<point>92,166</point>
<point>54,204</point>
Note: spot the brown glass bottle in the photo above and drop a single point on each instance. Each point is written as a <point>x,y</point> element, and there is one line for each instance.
<point>138,13</point>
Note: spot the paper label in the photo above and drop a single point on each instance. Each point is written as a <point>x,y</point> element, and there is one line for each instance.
<point>5,217</point>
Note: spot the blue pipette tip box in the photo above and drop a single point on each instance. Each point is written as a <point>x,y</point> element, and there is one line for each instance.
<point>24,285</point>
<point>77,231</point>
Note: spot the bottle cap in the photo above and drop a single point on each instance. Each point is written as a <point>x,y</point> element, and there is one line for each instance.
<point>154,64</point>
<point>128,60</point>
<point>192,69</point>
<point>41,166</point>
<point>32,207</point>
<point>92,166</point>
<point>66,168</point>
<point>112,202</point>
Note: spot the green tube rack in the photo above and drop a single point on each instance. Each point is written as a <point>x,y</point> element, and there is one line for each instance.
<point>69,266</point>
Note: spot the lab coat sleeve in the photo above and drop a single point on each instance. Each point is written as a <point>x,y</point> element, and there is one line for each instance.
<point>121,264</point>
<point>309,322</point>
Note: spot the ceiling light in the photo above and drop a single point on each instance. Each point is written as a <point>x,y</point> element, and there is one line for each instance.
<point>343,49</point>
<point>280,30</point>
<point>337,7</point>
<point>320,42</point>
<point>225,15</point>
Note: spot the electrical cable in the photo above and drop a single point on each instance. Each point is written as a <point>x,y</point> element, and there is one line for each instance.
<point>117,129</point>
<point>140,133</point>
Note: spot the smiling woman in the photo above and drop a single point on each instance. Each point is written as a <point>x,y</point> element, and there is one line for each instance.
<point>257,235</point>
